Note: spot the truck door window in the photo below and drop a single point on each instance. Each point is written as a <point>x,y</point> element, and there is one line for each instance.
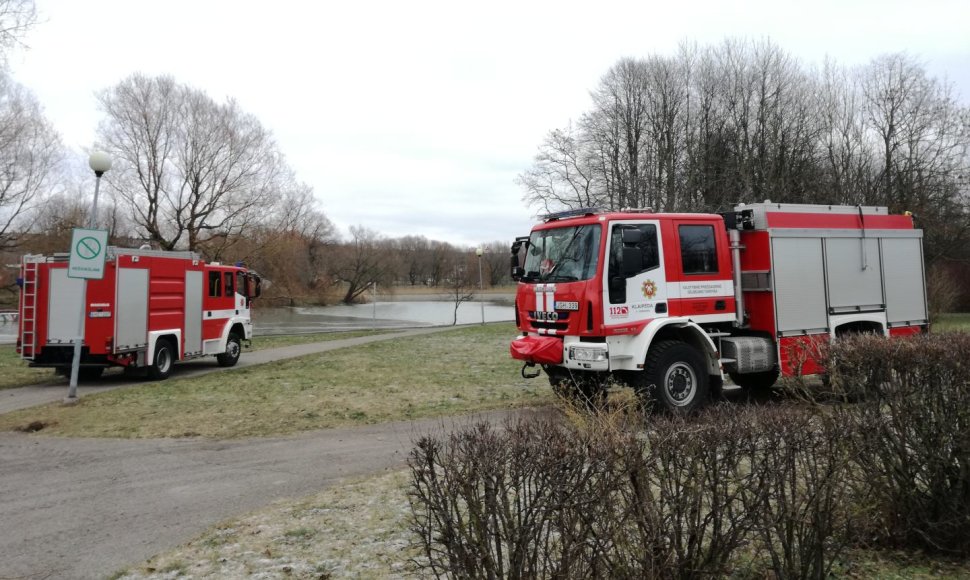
<point>649,252</point>
<point>698,252</point>
<point>215,284</point>
<point>230,290</point>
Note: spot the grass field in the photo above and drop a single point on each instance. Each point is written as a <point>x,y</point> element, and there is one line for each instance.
<point>456,371</point>
<point>955,321</point>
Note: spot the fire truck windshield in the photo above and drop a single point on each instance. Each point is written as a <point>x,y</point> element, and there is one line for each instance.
<point>562,254</point>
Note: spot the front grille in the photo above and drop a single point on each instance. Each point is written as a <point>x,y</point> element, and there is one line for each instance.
<point>549,325</point>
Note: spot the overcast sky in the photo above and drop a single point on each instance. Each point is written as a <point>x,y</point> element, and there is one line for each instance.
<point>415,117</point>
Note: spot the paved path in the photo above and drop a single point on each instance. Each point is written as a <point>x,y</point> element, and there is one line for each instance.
<point>23,397</point>
<point>85,508</point>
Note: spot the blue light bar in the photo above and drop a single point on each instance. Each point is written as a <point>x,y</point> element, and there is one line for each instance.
<point>583,211</point>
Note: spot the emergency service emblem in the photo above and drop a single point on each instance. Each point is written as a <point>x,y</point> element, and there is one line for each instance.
<point>649,289</point>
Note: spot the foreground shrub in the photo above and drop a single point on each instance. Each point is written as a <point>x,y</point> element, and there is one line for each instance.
<point>911,430</point>
<point>595,499</point>
<point>532,500</point>
<point>810,508</point>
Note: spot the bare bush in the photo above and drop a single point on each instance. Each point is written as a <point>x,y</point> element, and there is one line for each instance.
<point>912,434</point>
<point>529,501</point>
<point>598,498</point>
<point>806,516</point>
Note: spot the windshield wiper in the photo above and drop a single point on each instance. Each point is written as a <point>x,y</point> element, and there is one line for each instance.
<point>562,278</point>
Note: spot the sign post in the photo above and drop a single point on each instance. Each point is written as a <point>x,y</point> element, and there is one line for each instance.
<point>88,249</point>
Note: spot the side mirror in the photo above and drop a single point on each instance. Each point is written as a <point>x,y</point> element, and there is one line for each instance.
<point>518,272</point>
<point>632,236</point>
<point>254,286</point>
<point>632,261</point>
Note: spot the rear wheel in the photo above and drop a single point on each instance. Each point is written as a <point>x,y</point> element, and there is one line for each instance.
<point>161,366</point>
<point>675,377</point>
<point>233,350</point>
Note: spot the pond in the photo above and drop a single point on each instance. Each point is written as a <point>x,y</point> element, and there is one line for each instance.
<point>382,315</point>
<point>395,314</point>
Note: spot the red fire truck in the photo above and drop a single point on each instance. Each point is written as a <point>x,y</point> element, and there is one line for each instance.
<point>670,303</point>
<point>151,309</point>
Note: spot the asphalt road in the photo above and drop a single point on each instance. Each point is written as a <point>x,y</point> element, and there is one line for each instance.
<point>85,508</point>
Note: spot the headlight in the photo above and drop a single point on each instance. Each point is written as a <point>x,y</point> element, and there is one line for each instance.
<point>587,354</point>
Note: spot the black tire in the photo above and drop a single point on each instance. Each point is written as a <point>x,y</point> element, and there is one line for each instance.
<point>675,377</point>
<point>759,382</point>
<point>233,350</point>
<point>163,361</point>
<point>89,373</point>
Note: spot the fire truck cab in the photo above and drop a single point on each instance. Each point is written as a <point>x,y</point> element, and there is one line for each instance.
<point>151,309</point>
<point>670,303</point>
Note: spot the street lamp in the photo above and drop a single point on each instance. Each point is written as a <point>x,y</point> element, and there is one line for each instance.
<point>481,286</point>
<point>99,162</point>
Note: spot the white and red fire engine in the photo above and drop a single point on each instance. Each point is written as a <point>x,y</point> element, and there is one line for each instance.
<point>669,303</point>
<point>151,309</point>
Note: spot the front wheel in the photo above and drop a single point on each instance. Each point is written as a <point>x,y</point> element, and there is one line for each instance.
<point>675,377</point>
<point>233,349</point>
<point>161,365</point>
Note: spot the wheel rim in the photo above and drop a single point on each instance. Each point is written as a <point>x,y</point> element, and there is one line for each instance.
<point>680,384</point>
<point>164,360</point>
<point>232,349</point>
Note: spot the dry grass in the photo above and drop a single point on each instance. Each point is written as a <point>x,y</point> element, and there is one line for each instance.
<point>14,372</point>
<point>357,530</point>
<point>954,321</point>
<point>457,371</point>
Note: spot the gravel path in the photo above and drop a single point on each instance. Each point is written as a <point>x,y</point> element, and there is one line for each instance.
<point>85,508</point>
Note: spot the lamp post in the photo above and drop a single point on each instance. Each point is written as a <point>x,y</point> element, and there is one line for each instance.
<point>99,162</point>
<point>481,286</point>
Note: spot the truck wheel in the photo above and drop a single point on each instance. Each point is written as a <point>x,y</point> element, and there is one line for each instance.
<point>755,381</point>
<point>233,349</point>
<point>161,366</point>
<point>675,376</point>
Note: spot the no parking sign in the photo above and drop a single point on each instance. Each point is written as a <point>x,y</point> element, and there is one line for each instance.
<point>88,249</point>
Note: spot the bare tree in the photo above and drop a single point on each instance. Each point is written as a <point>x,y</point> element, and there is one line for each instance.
<point>461,282</point>
<point>189,170</point>
<point>16,18</point>
<point>562,175</point>
<point>31,155</point>
<point>363,261</point>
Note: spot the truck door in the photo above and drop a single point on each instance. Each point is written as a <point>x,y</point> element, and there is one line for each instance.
<point>219,303</point>
<point>642,294</point>
<point>701,286</point>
